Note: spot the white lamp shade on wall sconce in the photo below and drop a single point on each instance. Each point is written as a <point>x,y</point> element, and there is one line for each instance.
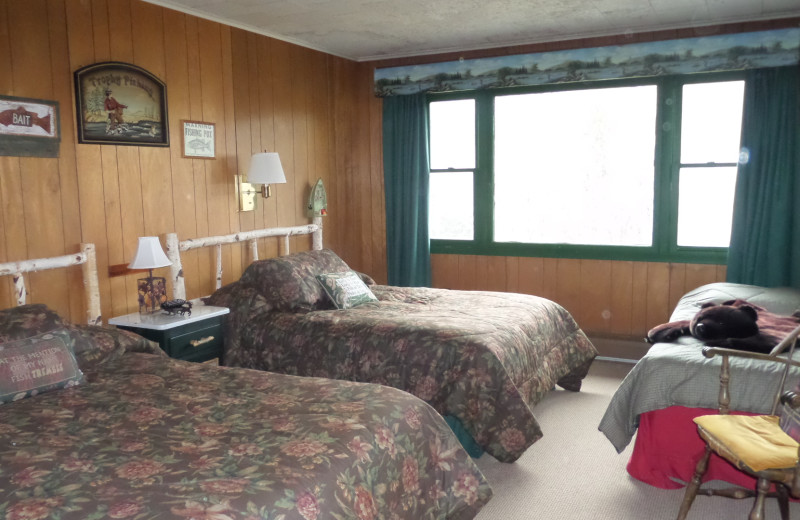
<point>265,169</point>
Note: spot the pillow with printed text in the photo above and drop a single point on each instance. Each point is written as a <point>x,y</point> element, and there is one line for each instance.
<point>37,364</point>
<point>346,290</point>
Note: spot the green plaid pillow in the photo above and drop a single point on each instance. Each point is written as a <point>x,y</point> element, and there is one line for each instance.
<point>37,364</point>
<point>346,290</point>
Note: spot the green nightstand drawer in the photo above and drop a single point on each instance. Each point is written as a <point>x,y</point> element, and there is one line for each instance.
<point>195,337</point>
<point>200,344</point>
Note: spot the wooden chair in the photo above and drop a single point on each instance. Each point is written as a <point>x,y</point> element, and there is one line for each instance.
<point>758,445</point>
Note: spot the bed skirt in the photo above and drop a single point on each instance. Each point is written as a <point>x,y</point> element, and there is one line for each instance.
<point>667,448</point>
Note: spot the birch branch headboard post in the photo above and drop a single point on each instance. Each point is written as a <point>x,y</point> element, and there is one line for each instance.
<point>87,259</point>
<point>174,248</point>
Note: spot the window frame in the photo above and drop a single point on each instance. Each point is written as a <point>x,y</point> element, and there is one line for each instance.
<point>664,246</point>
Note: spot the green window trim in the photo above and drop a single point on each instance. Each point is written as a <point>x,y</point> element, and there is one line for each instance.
<point>667,168</point>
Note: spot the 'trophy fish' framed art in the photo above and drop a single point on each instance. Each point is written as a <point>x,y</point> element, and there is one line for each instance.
<point>29,127</point>
<point>119,103</point>
<point>197,140</point>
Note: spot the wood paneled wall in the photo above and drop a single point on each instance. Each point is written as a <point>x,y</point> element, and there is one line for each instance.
<point>317,111</point>
<point>607,298</point>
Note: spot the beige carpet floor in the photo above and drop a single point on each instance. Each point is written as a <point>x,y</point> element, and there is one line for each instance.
<point>574,473</point>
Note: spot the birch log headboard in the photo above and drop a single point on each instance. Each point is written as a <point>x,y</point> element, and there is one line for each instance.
<point>175,246</point>
<point>86,258</point>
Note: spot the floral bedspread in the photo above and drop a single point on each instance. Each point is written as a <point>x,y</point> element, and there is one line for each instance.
<point>146,437</point>
<point>485,358</point>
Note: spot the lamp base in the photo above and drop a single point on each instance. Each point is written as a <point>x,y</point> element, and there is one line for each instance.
<point>152,292</point>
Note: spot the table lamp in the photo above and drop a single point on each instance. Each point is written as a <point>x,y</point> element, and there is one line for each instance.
<point>152,291</point>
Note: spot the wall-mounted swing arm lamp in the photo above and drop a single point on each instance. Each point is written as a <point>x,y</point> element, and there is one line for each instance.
<point>265,169</point>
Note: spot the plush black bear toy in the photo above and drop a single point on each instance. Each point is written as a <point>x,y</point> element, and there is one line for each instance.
<point>733,324</point>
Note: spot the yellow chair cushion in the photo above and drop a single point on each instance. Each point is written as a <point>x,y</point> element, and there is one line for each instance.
<point>756,440</point>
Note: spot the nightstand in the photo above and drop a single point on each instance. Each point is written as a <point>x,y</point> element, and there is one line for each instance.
<point>196,338</point>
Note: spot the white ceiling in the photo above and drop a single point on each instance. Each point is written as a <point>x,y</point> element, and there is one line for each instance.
<point>364,30</point>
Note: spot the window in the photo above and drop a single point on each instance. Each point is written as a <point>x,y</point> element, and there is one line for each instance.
<point>452,136</point>
<point>575,167</point>
<point>711,119</point>
<point>618,170</point>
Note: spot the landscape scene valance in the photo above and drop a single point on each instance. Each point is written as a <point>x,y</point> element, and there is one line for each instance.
<point>738,51</point>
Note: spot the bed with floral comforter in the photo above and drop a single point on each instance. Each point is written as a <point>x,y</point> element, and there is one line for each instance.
<point>485,358</point>
<point>145,436</point>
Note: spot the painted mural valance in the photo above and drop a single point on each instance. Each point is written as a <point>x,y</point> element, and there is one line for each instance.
<point>776,48</point>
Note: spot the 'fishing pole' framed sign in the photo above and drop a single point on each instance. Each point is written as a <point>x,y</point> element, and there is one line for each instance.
<point>197,139</point>
<point>29,127</point>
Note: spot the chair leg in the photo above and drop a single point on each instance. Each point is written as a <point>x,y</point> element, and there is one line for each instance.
<point>783,500</point>
<point>762,487</point>
<point>694,484</point>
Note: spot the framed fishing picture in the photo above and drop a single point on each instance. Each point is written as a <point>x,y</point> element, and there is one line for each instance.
<point>119,103</point>
<point>197,140</point>
<point>29,127</point>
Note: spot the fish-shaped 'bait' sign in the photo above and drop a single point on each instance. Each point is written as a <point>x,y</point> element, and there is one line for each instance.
<point>25,117</point>
<point>29,127</point>
<point>21,117</point>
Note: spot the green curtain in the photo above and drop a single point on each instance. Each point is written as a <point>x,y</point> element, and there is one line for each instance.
<point>405,170</point>
<point>765,238</point>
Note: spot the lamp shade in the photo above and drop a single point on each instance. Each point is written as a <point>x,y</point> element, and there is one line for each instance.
<point>265,168</point>
<point>149,255</point>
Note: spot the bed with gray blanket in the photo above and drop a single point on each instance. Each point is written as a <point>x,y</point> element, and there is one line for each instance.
<point>677,374</point>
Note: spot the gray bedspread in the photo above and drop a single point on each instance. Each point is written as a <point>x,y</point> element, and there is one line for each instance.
<point>677,374</point>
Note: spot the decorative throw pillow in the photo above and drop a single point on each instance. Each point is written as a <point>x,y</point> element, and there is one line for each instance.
<point>346,290</point>
<point>37,364</point>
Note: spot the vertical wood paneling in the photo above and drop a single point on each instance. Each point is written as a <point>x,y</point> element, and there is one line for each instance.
<point>677,281</point>
<point>301,84</point>
<point>229,154</point>
<point>377,183</point>
<point>444,271</point>
<point>38,178</point>
<point>639,297</point>
<point>213,106</point>
<point>88,158</point>
<point>111,186</point>
<point>621,298</point>
<point>121,36</point>
<point>267,212</point>
<point>260,93</point>
<point>596,293</point>
<point>6,85</point>
<point>658,284</point>
<point>530,273</point>
<point>512,273</point>
<point>496,275</point>
<point>568,285</point>
<point>467,272</point>
<point>615,298</point>
<point>284,130</point>
<point>179,38</point>
<point>67,170</point>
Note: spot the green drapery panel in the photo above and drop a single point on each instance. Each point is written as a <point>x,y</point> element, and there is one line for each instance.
<point>406,171</point>
<point>765,239</point>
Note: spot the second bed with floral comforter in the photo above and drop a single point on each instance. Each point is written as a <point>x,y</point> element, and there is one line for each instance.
<point>485,358</point>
